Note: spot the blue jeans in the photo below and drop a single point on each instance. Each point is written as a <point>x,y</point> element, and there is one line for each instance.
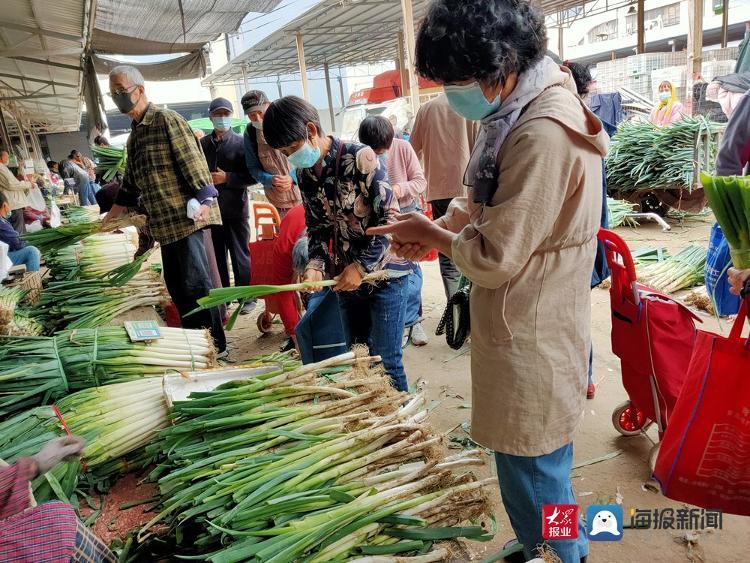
<point>526,483</point>
<point>413,312</point>
<point>28,255</point>
<point>374,315</point>
<point>86,194</point>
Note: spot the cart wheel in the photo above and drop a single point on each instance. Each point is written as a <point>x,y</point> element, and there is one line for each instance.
<point>628,420</point>
<point>264,322</point>
<point>653,454</point>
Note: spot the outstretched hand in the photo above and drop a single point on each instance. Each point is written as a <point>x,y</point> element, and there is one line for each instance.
<point>413,236</point>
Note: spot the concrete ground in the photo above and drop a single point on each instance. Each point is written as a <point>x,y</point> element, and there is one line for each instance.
<point>445,374</point>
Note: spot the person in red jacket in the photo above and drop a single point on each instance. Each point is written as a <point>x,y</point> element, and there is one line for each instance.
<point>51,531</point>
<point>291,229</point>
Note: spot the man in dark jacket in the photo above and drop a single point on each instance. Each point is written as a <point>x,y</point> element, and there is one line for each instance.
<point>225,155</point>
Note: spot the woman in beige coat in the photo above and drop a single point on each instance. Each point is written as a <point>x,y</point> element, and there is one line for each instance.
<point>526,237</point>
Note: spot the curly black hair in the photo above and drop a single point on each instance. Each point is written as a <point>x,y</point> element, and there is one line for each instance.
<point>485,40</point>
<point>581,75</point>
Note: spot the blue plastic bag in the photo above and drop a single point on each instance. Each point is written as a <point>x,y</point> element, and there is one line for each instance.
<point>718,261</point>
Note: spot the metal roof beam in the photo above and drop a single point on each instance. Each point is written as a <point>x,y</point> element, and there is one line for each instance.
<point>17,51</point>
<point>47,63</point>
<point>38,96</point>
<point>39,31</point>
<point>40,80</point>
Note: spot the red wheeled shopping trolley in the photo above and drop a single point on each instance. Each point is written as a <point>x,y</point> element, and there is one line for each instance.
<point>653,335</point>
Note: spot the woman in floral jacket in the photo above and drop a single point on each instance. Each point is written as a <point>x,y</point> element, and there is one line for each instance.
<point>344,193</point>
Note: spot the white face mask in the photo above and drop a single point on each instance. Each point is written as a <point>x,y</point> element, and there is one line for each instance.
<point>257,124</point>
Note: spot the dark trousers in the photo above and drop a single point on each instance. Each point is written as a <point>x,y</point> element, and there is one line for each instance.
<point>188,278</point>
<point>232,237</point>
<point>448,270</point>
<point>17,222</point>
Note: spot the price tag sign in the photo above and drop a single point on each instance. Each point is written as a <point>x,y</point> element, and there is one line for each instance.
<point>140,331</point>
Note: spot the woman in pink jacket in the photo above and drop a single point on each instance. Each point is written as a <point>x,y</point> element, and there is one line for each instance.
<point>409,184</point>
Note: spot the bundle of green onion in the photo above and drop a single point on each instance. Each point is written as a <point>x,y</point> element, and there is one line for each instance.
<point>31,373</point>
<point>681,271</point>
<point>618,211</point>
<point>649,255</point>
<point>109,161</point>
<point>48,240</point>
<point>114,420</point>
<point>642,155</point>
<point>313,465</point>
<point>93,257</point>
<point>23,325</point>
<point>729,198</point>
<point>93,303</point>
<point>9,298</point>
<point>79,214</point>
<point>39,370</point>
<point>100,356</point>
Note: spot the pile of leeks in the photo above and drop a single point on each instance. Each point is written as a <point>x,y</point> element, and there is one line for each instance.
<point>92,257</point>
<point>38,370</point>
<point>681,271</point>
<point>320,465</point>
<point>49,240</point>
<point>114,420</point>
<point>91,303</point>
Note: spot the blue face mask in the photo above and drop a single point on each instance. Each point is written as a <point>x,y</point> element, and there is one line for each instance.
<point>222,123</point>
<point>305,157</point>
<point>468,101</point>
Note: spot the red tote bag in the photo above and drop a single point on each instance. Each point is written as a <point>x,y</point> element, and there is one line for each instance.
<point>704,458</point>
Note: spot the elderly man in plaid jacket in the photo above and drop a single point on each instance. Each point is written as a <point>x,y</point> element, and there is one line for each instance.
<point>166,169</point>
<point>51,531</point>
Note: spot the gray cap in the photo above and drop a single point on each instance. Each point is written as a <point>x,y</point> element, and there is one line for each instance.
<point>254,100</point>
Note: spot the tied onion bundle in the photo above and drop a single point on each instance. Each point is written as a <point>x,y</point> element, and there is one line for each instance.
<point>729,198</point>
<point>100,356</point>
<point>31,373</point>
<point>38,370</point>
<point>114,420</point>
<point>94,303</point>
<point>79,214</point>
<point>93,257</point>
<point>618,211</point>
<point>642,155</point>
<point>312,465</point>
<point>49,240</point>
<point>681,271</point>
<point>9,298</point>
<point>110,161</point>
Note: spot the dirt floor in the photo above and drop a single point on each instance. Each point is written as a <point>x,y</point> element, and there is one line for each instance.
<point>445,374</point>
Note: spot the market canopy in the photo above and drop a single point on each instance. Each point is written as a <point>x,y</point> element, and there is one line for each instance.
<point>158,27</point>
<point>50,51</point>
<point>41,62</point>
<point>337,33</point>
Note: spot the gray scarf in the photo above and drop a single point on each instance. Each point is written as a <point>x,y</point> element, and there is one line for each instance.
<point>482,172</point>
